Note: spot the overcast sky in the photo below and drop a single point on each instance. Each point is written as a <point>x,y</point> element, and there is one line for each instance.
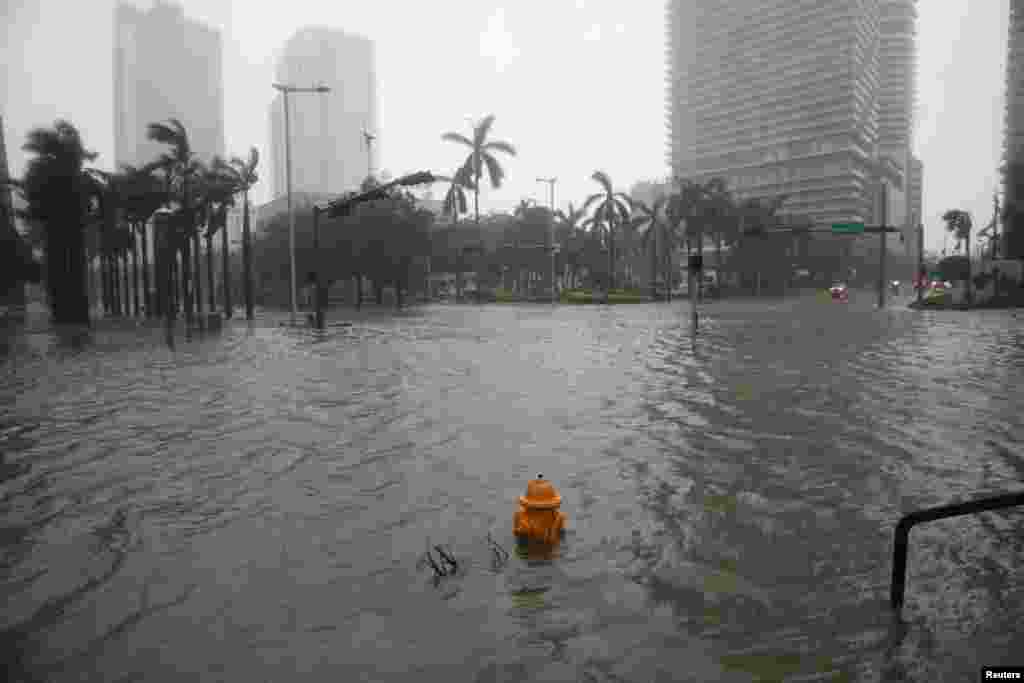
<point>576,85</point>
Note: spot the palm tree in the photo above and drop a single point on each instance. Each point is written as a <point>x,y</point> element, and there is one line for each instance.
<point>481,157</point>
<point>218,196</point>
<point>656,229</point>
<point>959,223</point>
<point>57,195</point>
<point>144,194</point>
<point>244,176</point>
<point>523,206</point>
<point>455,204</point>
<point>611,210</point>
<point>185,169</point>
<point>570,235</point>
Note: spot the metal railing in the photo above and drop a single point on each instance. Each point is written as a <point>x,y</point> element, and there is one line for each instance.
<point>907,522</point>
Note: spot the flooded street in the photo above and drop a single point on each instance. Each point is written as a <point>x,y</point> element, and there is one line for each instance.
<point>252,505</point>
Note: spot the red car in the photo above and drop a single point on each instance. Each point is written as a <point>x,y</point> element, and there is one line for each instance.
<point>839,293</point>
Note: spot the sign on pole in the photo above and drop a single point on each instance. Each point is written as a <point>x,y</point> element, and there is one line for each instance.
<point>848,228</point>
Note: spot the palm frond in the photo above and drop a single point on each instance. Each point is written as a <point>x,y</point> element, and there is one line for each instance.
<point>457,137</point>
<point>500,146</point>
<point>494,170</point>
<point>604,181</point>
<point>481,130</point>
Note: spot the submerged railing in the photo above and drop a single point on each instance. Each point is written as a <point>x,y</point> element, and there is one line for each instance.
<point>899,558</point>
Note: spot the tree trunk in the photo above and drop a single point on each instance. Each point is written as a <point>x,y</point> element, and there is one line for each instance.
<point>378,292</point>
<point>399,299</point>
<point>147,298</point>
<point>186,280</point>
<point>654,265</point>
<point>359,291</point>
<point>225,276</point>
<point>158,280</point>
<point>246,257</point>
<point>104,285</point>
<point>197,275</point>
<point>135,274</point>
<point>126,280</point>
<point>209,272</point>
<point>611,260</point>
<point>116,281</point>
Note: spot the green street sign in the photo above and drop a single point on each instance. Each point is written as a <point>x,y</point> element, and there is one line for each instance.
<point>848,228</point>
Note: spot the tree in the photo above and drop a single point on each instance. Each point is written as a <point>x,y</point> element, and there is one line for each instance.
<point>481,157</point>
<point>183,170</point>
<point>57,193</point>
<point>218,195</point>
<point>959,223</point>
<point>651,219</point>
<point>611,210</point>
<point>144,193</point>
<point>569,232</point>
<point>244,176</point>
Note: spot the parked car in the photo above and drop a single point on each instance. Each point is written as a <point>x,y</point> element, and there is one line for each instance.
<point>839,292</point>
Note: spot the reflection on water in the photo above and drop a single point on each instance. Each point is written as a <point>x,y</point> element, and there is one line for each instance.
<point>255,504</point>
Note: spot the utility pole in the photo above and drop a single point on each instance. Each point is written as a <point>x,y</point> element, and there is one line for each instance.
<point>920,261</point>
<point>551,187</point>
<point>883,234</point>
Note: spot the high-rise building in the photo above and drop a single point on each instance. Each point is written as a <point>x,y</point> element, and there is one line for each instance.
<point>165,66</point>
<point>803,98</point>
<point>1013,143</point>
<point>329,153</point>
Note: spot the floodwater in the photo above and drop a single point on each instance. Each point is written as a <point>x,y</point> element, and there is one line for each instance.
<point>252,505</point>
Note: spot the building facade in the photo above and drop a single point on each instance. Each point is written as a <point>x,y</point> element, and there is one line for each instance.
<point>329,153</point>
<point>165,66</point>
<point>1013,141</point>
<point>801,98</point>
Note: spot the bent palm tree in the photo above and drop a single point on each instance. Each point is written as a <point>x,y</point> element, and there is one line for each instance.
<point>611,210</point>
<point>481,157</point>
<point>57,195</point>
<point>183,167</point>
<point>244,176</point>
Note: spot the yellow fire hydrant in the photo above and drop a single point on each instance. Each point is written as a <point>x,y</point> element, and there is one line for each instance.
<point>538,516</point>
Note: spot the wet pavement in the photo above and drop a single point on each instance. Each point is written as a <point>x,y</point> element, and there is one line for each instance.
<point>251,506</point>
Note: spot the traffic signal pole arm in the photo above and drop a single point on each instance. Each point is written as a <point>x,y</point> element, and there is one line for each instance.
<point>342,207</point>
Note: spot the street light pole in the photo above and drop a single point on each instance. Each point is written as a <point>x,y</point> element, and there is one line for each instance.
<point>551,187</point>
<point>285,90</point>
<point>883,234</point>
<point>920,261</point>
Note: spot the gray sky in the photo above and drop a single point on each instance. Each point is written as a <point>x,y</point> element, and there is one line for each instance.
<point>576,85</point>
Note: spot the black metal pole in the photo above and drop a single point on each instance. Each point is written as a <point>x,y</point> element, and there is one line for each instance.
<point>902,536</point>
<point>882,244</point>
<point>319,294</point>
<point>920,262</point>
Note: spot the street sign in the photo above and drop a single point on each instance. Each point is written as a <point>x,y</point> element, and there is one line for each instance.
<point>848,228</point>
